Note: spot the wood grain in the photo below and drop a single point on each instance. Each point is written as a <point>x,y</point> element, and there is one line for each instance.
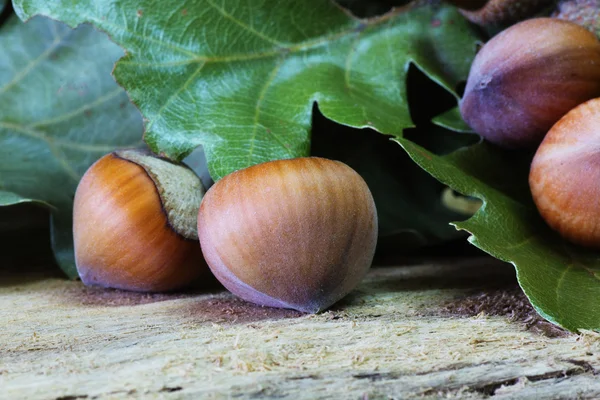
<point>424,330</point>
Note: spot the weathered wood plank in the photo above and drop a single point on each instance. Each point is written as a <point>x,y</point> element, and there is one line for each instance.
<point>394,337</point>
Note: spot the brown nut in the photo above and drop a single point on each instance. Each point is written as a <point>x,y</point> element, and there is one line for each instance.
<point>497,13</point>
<point>565,173</point>
<point>468,4</point>
<point>582,12</point>
<point>526,78</point>
<point>297,233</point>
<point>134,223</point>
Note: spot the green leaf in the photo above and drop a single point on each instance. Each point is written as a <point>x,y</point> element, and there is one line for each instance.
<point>60,110</point>
<point>240,78</point>
<point>562,281</point>
<point>9,199</point>
<point>453,121</point>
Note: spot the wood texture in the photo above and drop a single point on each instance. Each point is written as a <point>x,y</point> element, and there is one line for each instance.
<point>458,329</point>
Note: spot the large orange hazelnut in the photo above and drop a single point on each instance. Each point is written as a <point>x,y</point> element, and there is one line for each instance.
<point>297,233</point>
<point>527,77</point>
<point>565,173</point>
<point>134,223</point>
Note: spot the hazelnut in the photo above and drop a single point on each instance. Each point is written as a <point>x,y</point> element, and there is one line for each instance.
<point>468,4</point>
<point>527,77</point>
<point>496,13</point>
<point>134,223</point>
<point>297,233</point>
<point>582,12</point>
<point>565,173</point>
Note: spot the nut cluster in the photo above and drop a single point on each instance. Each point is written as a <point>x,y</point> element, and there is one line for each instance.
<point>302,233</point>
<point>297,233</point>
<point>537,85</point>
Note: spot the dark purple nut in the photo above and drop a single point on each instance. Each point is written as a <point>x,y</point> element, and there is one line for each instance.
<point>527,77</point>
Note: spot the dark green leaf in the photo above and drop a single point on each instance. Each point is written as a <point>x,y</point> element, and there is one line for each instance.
<point>452,120</point>
<point>562,281</point>
<point>60,110</point>
<point>240,78</point>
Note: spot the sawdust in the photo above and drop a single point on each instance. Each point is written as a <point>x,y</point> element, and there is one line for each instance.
<point>209,304</point>
<point>100,297</point>
<point>225,308</point>
<point>509,302</point>
<point>113,344</point>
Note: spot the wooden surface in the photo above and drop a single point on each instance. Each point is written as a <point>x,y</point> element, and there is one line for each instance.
<point>454,329</point>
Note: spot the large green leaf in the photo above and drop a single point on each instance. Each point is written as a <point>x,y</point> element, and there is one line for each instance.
<point>60,110</point>
<point>241,77</point>
<point>562,281</point>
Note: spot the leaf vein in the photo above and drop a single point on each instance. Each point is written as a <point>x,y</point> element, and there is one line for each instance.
<point>174,95</point>
<point>194,57</point>
<point>245,26</point>
<point>60,157</point>
<point>65,117</point>
<point>27,131</point>
<point>151,39</point>
<point>559,285</point>
<point>348,63</point>
<point>259,101</point>
<point>33,63</point>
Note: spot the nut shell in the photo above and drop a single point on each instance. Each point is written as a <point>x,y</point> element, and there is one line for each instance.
<point>468,4</point>
<point>498,13</point>
<point>565,173</point>
<point>122,236</point>
<point>526,78</point>
<point>582,12</point>
<point>297,233</point>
